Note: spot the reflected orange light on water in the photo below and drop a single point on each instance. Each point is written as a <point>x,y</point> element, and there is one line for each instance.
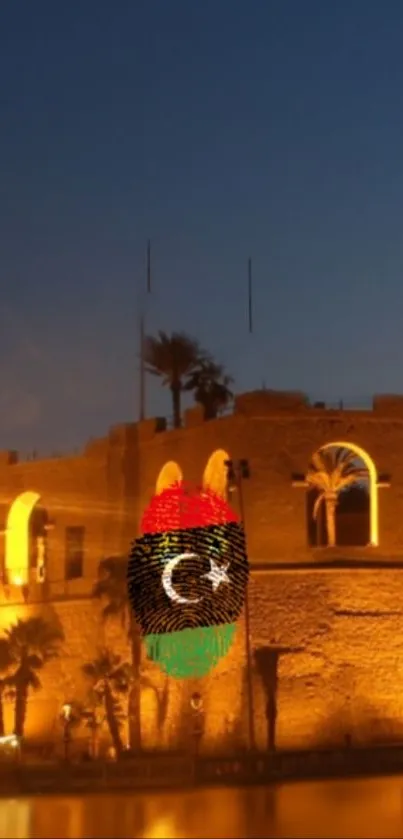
<point>161,828</point>
<point>15,818</point>
<point>321,810</point>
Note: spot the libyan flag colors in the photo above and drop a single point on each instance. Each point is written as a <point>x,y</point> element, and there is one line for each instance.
<point>187,588</point>
<point>188,579</point>
<point>192,653</point>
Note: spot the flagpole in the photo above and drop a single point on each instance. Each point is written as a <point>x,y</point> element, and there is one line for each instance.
<point>142,405</point>
<point>142,370</point>
<point>250,295</point>
<point>248,645</point>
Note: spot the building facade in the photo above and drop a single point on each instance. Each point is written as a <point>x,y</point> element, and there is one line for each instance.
<point>328,622</point>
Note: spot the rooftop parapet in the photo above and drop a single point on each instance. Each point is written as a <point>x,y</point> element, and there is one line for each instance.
<point>148,428</point>
<point>388,404</point>
<point>8,458</point>
<point>194,416</point>
<point>96,447</point>
<point>120,435</point>
<point>261,402</point>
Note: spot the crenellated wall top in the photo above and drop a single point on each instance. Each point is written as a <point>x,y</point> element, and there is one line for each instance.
<point>253,404</point>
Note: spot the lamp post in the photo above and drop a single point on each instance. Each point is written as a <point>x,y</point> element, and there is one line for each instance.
<point>197,706</point>
<point>40,558</point>
<point>237,472</point>
<point>67,719</point>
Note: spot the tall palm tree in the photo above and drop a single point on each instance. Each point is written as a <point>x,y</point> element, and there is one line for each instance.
<point>33,642</point>
<point>111,589</point>
<point>211,387</point>
<point>93,716</point>
<point>330,472</point>
<point>173,358</point>
<point>5,665</point>
<point>109,678</point>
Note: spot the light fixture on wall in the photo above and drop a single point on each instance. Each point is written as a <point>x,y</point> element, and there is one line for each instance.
<point>197,706</point>
<point>19,580</point>
<point>196,702</point>
<point>40,559</point>
<point>67,720</point>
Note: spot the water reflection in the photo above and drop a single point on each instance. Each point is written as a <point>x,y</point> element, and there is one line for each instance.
<point>348,808</point>
<point>15,817</point>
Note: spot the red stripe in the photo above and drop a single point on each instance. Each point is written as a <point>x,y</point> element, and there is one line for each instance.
<point>181,507</point>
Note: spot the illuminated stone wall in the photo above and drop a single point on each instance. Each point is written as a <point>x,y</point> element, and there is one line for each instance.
<point>342,627</point>
<point>342,631</point>
<point>342,666</point>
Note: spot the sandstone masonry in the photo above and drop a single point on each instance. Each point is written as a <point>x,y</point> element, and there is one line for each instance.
<point>333,619</point>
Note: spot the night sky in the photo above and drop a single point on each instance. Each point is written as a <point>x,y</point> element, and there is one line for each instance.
<point>220,129</point>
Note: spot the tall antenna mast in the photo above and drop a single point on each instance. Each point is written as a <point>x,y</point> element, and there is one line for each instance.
<point>142,371</point>
<point>142,338</point>
<point>250,294</point>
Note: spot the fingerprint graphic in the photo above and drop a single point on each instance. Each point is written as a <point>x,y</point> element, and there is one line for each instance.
<point>187,578</point>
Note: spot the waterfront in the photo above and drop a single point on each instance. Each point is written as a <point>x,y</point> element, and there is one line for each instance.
<point>337,808</point>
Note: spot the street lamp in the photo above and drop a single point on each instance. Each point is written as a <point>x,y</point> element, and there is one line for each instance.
<point>67,719</point>
<point>197,706</point>
<point>10,746</point>
<point>237,472</point>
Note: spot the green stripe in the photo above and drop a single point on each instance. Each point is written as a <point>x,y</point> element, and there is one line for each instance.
<point>191,653</point>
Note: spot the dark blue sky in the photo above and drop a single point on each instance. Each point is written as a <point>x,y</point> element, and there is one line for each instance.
<point>219,129</point>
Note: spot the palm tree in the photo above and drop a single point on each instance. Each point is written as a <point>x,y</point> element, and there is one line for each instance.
<point>109,678</point>
<point>33,642</point>
<point>173,358</point>
<point>111,588</point>
<point>211,387</point>
<point>330,472</point>
<point>93,716</point>
<point>161,697</point>
<point>5,664</point>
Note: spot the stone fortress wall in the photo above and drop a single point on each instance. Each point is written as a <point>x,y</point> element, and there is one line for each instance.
<point>333,619</point>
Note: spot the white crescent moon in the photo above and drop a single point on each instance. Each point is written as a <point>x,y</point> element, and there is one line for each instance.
<point>166,579</point>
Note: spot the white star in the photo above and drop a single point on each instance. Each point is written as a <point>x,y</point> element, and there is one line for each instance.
<point>217,574</point>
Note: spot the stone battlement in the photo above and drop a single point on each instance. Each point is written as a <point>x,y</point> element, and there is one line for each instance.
<point>259,403</point>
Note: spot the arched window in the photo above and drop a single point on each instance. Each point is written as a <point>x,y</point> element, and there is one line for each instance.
<point>342,499</point>
<point>169,475</point>
<point>215,473</point>
<point>17,558</point>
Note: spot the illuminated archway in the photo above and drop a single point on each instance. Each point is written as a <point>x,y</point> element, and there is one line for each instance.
<point>169,474</point>
<point>17,537</point>
<point>215,473</point>
<point>373,485</point>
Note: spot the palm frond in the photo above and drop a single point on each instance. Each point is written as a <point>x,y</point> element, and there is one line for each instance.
<point>111,588</point>
<point>171,357</point>
<point>330,468</point>
<point>107,667</point>
<point>6,657</point>
<point>211,386</point>
<point>319,500</point>
<point>346,481</point>
<point>317,462</point>
<point>319,480</point>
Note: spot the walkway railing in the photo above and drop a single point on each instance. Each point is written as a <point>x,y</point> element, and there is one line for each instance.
<point>97,775</point>
<point>183,771</point>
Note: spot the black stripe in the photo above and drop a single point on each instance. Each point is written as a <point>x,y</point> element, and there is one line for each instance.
<point>155,611</point>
